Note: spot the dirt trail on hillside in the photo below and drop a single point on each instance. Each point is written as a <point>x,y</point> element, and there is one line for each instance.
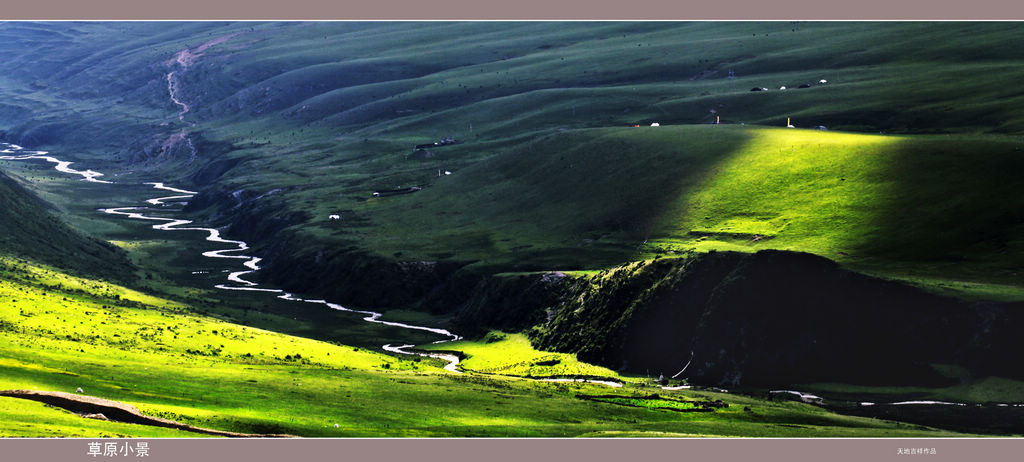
<point>118,412</point>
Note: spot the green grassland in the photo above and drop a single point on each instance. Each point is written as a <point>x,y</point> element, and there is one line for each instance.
<point>650,402</point>
<point>916,179</point>
<point>308,120</point>
<point>60,332</point>
<point>933,209</point>
<point>866,201</point>
<point>511,354</point>
<point>536,186</point>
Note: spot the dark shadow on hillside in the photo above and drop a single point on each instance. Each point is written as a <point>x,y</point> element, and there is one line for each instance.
<point>32,230</point>
<point>777,318</point>
<point>954,203</point>
<point>573,193</point>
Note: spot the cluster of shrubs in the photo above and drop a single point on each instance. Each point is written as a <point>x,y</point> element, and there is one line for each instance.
<point>210,351</point>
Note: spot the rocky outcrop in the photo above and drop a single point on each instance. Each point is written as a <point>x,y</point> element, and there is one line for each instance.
<point>510,303</point>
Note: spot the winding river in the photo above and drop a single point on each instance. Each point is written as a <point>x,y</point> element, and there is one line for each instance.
<point>235,251</point>
<point>61,165</point>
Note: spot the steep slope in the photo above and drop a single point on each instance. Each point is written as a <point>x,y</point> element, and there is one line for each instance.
<point>31,230</point>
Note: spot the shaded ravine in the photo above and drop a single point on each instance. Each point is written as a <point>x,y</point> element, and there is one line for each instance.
<point>183,60</point>
<point>115,411</point>
<point>172,86</point>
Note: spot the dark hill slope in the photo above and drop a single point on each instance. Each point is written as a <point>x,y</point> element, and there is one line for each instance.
<point>29,229</point>
<point>775,318</point>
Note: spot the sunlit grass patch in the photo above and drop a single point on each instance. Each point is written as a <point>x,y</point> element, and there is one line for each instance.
<point>793,189</point>
<point>46,277</point>
<point>133,244</point>
<point>650,402</point>
<point>512,354</point>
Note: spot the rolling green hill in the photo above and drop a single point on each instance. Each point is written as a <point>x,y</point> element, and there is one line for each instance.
<point>280,125</point>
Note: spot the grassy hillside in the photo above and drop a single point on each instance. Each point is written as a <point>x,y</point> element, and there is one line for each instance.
<point>931,209</point>
<point>294,122</point>
<point>937,205</point>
